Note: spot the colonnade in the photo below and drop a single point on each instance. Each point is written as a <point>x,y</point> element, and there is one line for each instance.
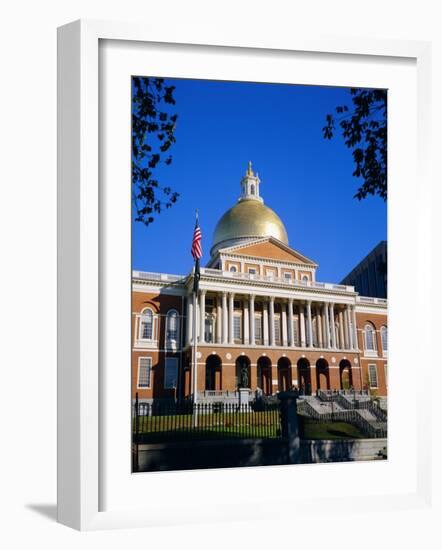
<point>301,323</point>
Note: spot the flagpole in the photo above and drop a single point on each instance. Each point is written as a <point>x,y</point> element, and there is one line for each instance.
<point>196,275</point>
<point>195,332</point>
<point>195,363</point>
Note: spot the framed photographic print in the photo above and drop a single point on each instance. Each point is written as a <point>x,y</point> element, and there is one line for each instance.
<point>229,323</point>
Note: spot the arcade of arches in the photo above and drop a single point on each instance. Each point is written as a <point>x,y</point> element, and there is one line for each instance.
<point>277,375</point>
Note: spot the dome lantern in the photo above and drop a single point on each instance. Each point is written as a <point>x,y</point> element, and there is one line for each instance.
<point>250,185</point>
<point>249,219</point>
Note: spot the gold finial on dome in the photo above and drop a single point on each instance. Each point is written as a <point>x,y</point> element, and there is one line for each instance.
<point>249,169</point>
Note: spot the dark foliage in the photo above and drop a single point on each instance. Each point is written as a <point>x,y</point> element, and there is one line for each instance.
<point>153,127</point>
<point>364,129</point>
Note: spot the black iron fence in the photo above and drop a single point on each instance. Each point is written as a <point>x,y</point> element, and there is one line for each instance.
<point>165,422</point>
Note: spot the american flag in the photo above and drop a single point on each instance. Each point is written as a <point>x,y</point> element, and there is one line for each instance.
<point>196,249</point>
<point>197,253</point>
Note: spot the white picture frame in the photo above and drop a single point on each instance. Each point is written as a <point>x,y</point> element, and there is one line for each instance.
<point>80,444</point>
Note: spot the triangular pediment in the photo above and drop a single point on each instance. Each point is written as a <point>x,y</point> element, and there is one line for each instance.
<point>269,248</point>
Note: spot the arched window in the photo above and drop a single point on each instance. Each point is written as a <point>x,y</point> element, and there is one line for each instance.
<point>172,326</point>
<point>146,325</point>
<point>305,278</point>
<point>384,338</point>
<point>232,268</point>
<point>370,337</point>
<point>252,189</point>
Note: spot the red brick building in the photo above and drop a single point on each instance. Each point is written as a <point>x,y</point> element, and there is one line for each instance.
<point>263,320</point>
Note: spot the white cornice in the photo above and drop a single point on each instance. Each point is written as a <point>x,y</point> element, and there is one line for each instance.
<point>277,290</point>
<point>376,309</point>
<point>153,283</point>
<point>159,288</point>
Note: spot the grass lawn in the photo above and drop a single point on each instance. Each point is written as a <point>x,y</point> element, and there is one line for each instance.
<point>161,429</point>
<point>330,430</point>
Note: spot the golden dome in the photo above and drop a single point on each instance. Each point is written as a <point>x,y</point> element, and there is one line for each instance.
<point>249,218</point>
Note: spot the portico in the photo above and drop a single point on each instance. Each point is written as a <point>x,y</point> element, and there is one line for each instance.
<point>258,318</point>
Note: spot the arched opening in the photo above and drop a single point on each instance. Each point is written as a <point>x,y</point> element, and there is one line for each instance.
<point>265,375</point>
<point>345,374</point>
<point>284,374</point>
<point>322,375</point>
<point>213,373</point>
<point>252,189</point>
<point>304,377</point>
<point>242,372</point>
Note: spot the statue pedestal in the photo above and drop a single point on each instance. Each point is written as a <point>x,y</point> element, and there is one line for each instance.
<point>243,395</point>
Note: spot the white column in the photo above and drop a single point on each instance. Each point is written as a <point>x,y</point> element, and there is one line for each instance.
<point>225,318</point>
<point>324,333</point>
<point>231,298</point>
<point>333,325</point>
<point>246,322</point>
<point>346,329</point>
<point>341,330</point>
<point>272,321</point>
<point>302,324</point>
<point>348,326</point>
<point>189,318</point>
<point>202,315</point>
<point>319,327</point>
<point>355,328</point>
<point>265,322</point>
<point>252,319</point>
<point>317,342</point>
<point>219,321</point>
<point>284,323</point>
<point>291,340</point>
<point>327,327</point>
<point>309,324</point>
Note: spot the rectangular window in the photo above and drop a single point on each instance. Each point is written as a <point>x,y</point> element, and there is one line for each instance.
<point>170,373</point>
<point>277,325</point>
<point>252,271</point>
<point>288,276</point>
<point>315,333</point>
<point>295,332</point>
<point>258,328</point>
<point>237,327</point>
<point>208,332</point>
<point>144,372</point>
<point>372,376</point>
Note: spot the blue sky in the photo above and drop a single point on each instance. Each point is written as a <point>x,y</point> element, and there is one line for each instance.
<point>307,180</point>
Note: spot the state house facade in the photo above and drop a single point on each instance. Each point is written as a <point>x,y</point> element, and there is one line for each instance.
<point>263,320</point>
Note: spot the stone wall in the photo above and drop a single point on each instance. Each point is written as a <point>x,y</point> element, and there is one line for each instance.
<point>254,452</point>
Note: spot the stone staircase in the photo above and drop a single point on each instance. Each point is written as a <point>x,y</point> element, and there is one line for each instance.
<point>360,411</point>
